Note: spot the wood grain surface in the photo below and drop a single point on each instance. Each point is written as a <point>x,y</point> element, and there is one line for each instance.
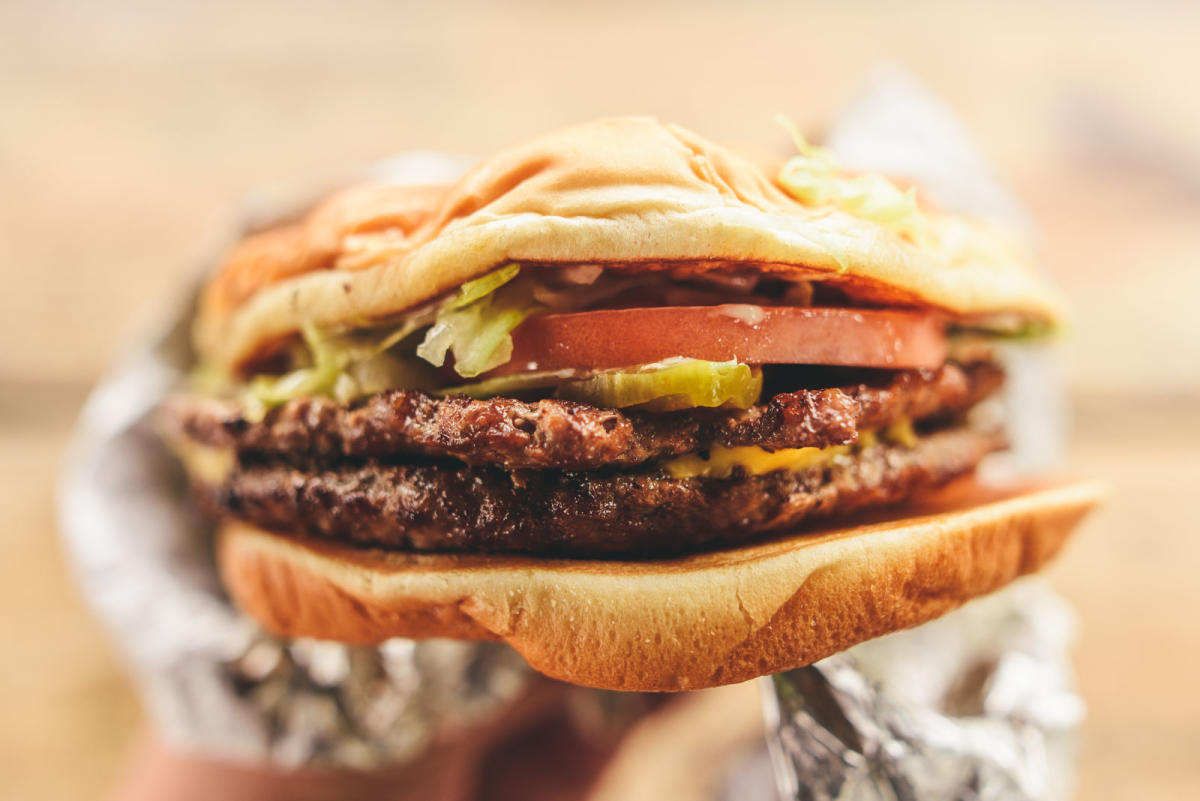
<point>128,129</point>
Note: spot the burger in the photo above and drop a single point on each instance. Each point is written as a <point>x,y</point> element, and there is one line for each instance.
<point>658,415</point>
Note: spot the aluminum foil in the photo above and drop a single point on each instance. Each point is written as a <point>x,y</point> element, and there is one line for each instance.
<point>868,724</point>
<point>977,705</point>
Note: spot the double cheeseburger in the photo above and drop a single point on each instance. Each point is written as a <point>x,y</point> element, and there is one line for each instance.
<point>656,415</point>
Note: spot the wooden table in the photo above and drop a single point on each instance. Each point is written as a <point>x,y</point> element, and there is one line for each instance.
<point>127,128</point>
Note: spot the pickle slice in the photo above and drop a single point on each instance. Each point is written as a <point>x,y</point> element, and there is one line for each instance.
<point>683,385</point>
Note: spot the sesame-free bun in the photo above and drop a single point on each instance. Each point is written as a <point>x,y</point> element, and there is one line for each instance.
<point>632,193</point>
<point>678,624</point>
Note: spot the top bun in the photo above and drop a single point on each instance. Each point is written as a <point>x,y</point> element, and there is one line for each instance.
<point>629,191</point>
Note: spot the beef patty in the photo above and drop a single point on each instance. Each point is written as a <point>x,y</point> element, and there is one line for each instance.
<point>573,436</point>
<point>433,507</point>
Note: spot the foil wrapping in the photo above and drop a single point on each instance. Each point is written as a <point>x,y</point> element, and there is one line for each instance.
<point>979,704</point>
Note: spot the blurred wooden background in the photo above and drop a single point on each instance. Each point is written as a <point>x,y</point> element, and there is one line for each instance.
<point>127,130</point>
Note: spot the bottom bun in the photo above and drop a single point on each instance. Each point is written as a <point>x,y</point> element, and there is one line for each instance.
<point>666,625</point>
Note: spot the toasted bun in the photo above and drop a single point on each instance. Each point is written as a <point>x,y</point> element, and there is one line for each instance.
<point>680,624</point>
<point>631,192</point>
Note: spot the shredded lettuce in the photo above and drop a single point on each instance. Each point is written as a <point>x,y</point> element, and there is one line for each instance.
<point>1003,329</point>
<point>381,372</point>
<point>816,178</point>
<point>480,288</point>
<point>328,362</point>
<point>476,323</point>
<point>344,367</point>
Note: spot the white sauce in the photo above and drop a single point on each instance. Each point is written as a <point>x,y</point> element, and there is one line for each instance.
<point>744,312</point>
<point>582,274</point>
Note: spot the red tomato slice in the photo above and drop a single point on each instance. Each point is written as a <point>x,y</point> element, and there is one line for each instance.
<point>615,338</point>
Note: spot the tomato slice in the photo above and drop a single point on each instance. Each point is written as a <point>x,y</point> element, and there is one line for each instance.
<point>614,338</point>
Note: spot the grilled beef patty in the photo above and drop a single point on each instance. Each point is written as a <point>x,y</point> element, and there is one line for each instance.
<point>573,436</point>
<point>432,507</point>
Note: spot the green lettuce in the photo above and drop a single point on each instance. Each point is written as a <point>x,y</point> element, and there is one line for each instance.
<point>815,178</point>
<point>343,367</point>
<point>476,323</point>
<point>1008,330</point>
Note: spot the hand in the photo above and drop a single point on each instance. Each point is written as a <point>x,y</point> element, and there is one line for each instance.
<point>536,751</point>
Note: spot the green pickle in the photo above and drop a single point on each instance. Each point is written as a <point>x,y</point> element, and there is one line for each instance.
<point>682,385</point>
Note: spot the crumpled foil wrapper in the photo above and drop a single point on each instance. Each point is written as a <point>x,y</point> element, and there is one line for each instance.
<point>856,726</point>
<point>979,704</point>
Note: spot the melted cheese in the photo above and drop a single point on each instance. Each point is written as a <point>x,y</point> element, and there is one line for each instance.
<point>754,461</point>
<point>901,432</point>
